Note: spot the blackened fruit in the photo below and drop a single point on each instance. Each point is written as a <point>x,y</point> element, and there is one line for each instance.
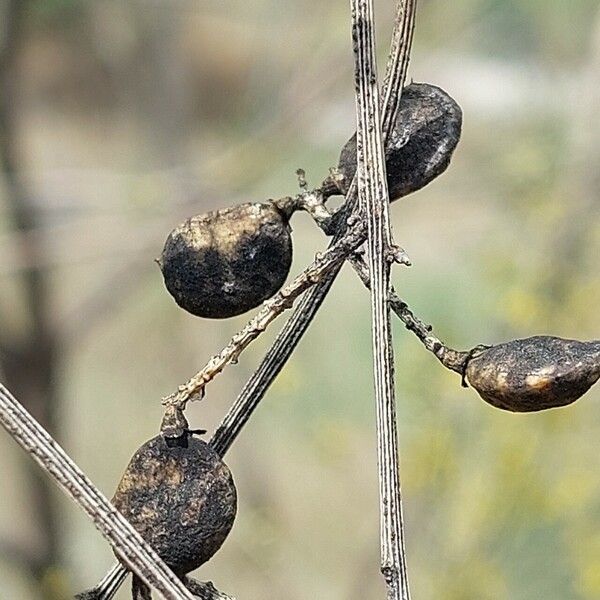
<point>224,263</point>
<point>181,498</point>
<point>426,132</point>
<point>535,373</point>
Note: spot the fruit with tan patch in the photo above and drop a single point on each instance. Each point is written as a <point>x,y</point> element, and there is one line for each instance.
<point>534,374</point>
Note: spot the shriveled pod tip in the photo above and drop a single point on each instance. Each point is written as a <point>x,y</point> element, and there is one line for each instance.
<point>535,373</point>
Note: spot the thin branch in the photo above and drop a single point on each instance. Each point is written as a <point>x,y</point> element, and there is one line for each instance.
<point>451,359</point>
<point>127,542</point>
<point>297,325</point>
<point>109,585</point>
<point>275,359</point>
<point>310,201</point>
<point>284,299</point>
<point>397,66</point>
<point>375,202</point>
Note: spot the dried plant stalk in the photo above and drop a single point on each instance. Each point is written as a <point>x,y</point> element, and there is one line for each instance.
<point>397,65</point>
<point>374,200</point>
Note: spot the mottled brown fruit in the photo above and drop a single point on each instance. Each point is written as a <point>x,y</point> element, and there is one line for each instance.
<point>226,262</point>
<point>536,373</point>
<point>180,496</point>
<point>420,147</point>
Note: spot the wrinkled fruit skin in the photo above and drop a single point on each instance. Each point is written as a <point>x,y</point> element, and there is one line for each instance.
<point>224,263</point>
<point>427,131</point>
<point>536,373</point>
<point>181,498</point>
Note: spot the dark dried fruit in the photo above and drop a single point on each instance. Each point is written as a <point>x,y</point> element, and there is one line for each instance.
<point>427,131</point>
<point>226,262</point>
<point>180,496</point>
<point>535,373</point>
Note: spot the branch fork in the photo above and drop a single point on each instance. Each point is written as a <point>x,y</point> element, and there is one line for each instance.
<point>310,201</point>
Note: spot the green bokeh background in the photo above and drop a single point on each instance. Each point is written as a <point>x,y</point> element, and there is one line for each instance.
<point>135,114</point>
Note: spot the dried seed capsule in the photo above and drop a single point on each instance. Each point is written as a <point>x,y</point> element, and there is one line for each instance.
<point>427,131</point>
<point>180,496</point>
<point>535,373</point>
<point>226,262</point>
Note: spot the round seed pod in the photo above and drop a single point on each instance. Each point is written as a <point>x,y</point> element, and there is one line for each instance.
<point>534,374</point>
<point>427,131</point>
<point>226,262</point>
<point>180,496</point>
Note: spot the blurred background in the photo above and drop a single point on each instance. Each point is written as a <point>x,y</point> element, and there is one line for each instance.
<point>120,118</point>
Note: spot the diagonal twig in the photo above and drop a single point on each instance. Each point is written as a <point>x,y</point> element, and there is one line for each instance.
<point>374,200</point>
<point>126,541</point>
<point>293,331</point>
<point>453,360</point>
<point>323,264</point>
<point>109,585</point>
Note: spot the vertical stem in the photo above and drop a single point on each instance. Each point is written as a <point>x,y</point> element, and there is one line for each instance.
<point>397,66</point>
<point>374,200</point>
